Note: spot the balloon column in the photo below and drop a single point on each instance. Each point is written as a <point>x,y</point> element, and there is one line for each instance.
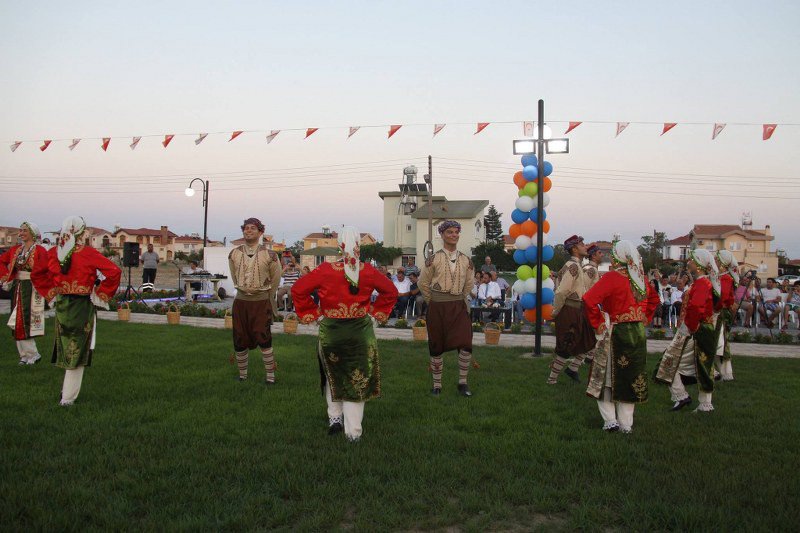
<point>523,231</point>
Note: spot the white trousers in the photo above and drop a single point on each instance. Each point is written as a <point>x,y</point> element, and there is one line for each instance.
<point>28,352</point>
<point>73,378</point>
<point>615,413</point>
<point>679,393</point>
<point>353,413</point>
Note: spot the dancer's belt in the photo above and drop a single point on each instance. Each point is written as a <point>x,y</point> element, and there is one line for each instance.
<point>23,274</point>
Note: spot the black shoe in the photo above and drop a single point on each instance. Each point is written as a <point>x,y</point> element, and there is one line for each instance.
<point>436,391</point>
<point>335,428</point>
<point>680,404</point>
<point>239,378</point>
<point>573,375</point>
<point>463,390</point>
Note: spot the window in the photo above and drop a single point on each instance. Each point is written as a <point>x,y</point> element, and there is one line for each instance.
<point>735,246</point>
<point>106,241</point>
<point>749,245</point>
<point>314,245</point>
<point>684,254</point>
<point>711,246</point>
<point>408,227</point>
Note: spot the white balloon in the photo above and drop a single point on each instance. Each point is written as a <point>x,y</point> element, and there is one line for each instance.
<point>518,287</point>
<point>530,285</point>
<point>548,284</point>
<point>544,239</point>
<point>525,203</point>
<point>546,199</point>
<point>522,242</point>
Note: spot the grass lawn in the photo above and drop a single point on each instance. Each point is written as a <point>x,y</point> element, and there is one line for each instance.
<point>162,437</point>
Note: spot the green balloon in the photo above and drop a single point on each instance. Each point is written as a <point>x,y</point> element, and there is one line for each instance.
<point>524,272</point>
<point>545,272</point>
<point>530,189</point>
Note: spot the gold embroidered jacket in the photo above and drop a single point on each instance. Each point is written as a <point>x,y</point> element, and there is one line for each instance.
<point>438,281</point>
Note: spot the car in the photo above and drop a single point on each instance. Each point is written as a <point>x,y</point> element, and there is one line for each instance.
<point>791,277</point>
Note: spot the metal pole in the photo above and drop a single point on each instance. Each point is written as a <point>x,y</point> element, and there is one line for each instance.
<point>206,186</point>
<point>537,348</point>
<point>430,199</point>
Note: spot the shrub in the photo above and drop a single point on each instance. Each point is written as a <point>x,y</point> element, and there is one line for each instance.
<point>420,323</point>
<point>783,338</point>
<point>477,327</point>
<point>762,339</point>
<point>401,323</point>
<point>741,336</point>
<point>658,334</point>
<point>516,328</point>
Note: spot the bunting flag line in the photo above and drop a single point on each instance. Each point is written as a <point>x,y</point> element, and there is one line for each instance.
<point>135,143</point>
<point>106,142</point>
<point>310,132</point>
<point>769,129</point>
<point>233,135</point>
<point>47,143</point>
<point>353,129</point>
<point>481,127</point>
<point>393,129</point>
<point>527,129</point>
<point>668,126</point>
<point>572,126</point>
<point>272,135</point>
<point>74,144</point>
<point>621,127</point>
<point>437,128</point>
<point>15,145</point>
<point>167,140</point>
<point>202,137</point>
<point>718,127</point>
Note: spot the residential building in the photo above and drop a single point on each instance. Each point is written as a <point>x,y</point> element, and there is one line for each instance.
<point>751,247</point>
<point>8,236</point>
<point>323,247</point>
<point>163,240</point>
<point>677,249</point>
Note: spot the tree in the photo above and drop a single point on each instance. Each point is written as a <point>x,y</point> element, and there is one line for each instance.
<point>296,248</point>
<point>493,226</point>
<point>381,254</point>
<point>652,250</point>
<point>500,258</point>
<point>560,257</point>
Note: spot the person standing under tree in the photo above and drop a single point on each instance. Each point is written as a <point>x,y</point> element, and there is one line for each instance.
<point>255,273</point>
<point>446,282</point>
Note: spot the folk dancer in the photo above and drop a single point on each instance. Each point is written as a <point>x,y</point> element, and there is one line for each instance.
<point>574,337</point>
<point>592,270</point>
<point>350,372</point>
<point>255,273</point>
<point>446,283</point>
<point>71,279</point>
<point>27,305</point>
<point>726,306</point>
<point>618,306</point>
<point>690,355</point>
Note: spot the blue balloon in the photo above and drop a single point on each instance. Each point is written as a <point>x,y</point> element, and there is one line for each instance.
<point>519,216</point>
<point>529,160</point>
<point>530,173</point>
<point>547,253</point>
<point>547,296</point>
<point>519,257</point>
<point>535,214</point>
<point>530,254</point>
<point>528,300</point>
<point>548,168</point>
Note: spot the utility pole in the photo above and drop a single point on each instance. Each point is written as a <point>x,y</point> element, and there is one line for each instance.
<point>427,249</point>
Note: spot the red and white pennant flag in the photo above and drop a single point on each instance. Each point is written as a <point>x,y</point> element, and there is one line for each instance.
<point>310,132</point>
<point>135,142</point>
<point>572,126</point>
<point>45,145</point>
<point>769,129</point>
<point>718,127</point>
<point>353,129</point>
<point>621,127</point>
<point>15,146</point>
<point>167,140</point>
<point>272,135</point>
<point>233,135</point>
<point>74,144</point>
<point>106,142</point>
<point>668,126</point>
<point>393,129</point>
<point>437,128</point>
<point>481,127</point>
<point>201,137</point>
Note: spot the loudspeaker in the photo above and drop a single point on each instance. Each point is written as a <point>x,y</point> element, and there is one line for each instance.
<point>130,254</point>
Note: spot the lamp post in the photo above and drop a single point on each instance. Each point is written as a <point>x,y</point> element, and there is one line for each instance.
<point>540,145</point>
<point>190,192</point>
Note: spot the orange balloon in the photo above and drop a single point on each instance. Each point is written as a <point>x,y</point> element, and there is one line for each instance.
<point>547,183</point>
<point>530,315</point>
<point>528,228</point>
<point>515,230</point>
<point>546,226</point>
<point>547,313</point>
<point>519,180</point>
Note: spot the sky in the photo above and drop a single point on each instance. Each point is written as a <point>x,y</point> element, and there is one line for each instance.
<point>109,69</point>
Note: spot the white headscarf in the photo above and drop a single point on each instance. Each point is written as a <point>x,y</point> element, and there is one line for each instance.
<point>71,229</point>
<point>350,250</point>
<point>728,261</point>
<point>705,260</point>
<point>626,254</point>
<point>33,229</point>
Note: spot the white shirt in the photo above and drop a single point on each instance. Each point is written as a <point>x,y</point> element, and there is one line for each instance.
<point>677,296</point>
<point>770,294</point>
<point>403,286</point>
<point>489,290</point>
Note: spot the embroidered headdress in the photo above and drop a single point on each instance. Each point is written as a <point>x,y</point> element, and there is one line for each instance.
<point>728,261</point>
<point>447,224</point>
<point>625,255</point>
<point>71,229</point>
<point>33,229</point>
<point>350,250</point>
<point>705,262</point>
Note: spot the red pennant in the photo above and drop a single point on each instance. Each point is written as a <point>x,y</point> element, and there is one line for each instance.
<point>167,140</point>
<point>481,127</point>
<point>233,135</point>
<point>769,129</point>
<point>47,143</point>
<point>718,127</point>
<point>620,127</point>
<point>572,126</point>
<point>353,129</point>
<point>106,142</point>
<point>15,146</point>
<point>310,132</point>
<point>668,126</point>
<point>393,129</point>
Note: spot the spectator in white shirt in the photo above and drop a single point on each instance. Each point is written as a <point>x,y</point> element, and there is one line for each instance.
<point>501,282</point>
<point>676,296</point>
<point>403,285</point>
<point>771,297</point>
<point>488,289</point>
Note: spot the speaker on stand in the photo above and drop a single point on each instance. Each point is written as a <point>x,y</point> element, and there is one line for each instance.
<point>130,259</point>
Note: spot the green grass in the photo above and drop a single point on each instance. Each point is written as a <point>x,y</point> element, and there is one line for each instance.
<point>163,437</point>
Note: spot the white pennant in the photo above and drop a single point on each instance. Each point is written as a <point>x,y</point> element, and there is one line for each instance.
<point>201,138</point>
<point>135,143</point>
<point>527,129</point>
<point>620,127</point>
<point>437,128</point>
<point>15,146</point>
<point>74,144</point>
<point>272,135</point>
<point>718,127</point>
<point>353,129</point>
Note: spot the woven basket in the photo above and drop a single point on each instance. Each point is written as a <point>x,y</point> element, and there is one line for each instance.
<point>124,313</point>
<point>173,317</point>
<point>290,324</point>
<point>228,319</point>
<point>420,332</point>
<point>491,332</point>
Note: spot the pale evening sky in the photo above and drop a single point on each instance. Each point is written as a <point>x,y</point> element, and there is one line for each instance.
<point>108,69</point>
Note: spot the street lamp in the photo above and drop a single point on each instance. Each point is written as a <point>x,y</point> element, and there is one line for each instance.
<point>542,144</point>
<point>190,192</point>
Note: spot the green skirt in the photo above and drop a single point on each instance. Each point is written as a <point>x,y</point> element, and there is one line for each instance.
<point>629,362</point>
<point>348,357</point>
<point>705,348</point>
<point>75,322</point>
<point>723,331</point>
